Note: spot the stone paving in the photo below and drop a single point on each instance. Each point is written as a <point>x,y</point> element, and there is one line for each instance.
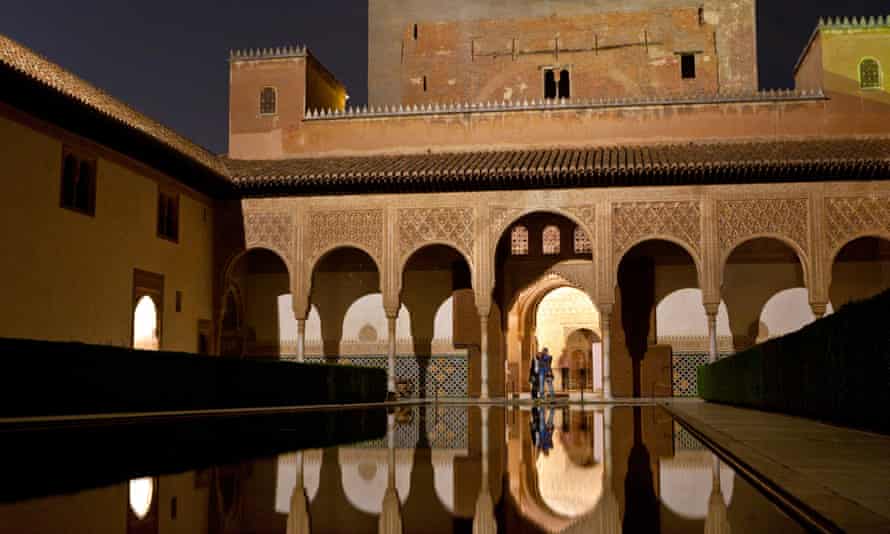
<point>840,473</point>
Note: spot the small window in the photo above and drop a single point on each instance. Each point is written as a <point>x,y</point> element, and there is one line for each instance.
<point>519,241</point>
<point>415,32</point>
<point>178,301</point>
<point>687,66</point>
<point>549,84</point>
<point>550,241</point>
<point>582,242</point>
<point>564,84</point>
<point>168,216</point>
<point>870,74</point>
<point>268,101</point>
<point>424,84</point>
<point>78,183</point>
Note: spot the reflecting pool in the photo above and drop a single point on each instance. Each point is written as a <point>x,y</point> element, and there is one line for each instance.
<point>425,469</point>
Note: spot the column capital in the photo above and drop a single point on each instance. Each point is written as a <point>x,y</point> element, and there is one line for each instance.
<point>712,308</point>
<point>606,309</point>
<point>819,309</point>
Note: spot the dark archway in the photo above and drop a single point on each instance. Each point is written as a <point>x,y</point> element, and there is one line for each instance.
<point>433,277</point>
<point>647,273</point>
<point>754,272</point>
<point>527,251</point>
<point>339,279</point>
<point>250,325</point>
<point>861,269</point>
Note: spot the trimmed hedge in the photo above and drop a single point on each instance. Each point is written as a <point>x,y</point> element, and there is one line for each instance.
<point>836,369</point>
<point>51,378</point>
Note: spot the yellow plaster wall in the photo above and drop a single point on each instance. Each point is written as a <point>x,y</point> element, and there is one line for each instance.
<point>842,51</point>
<point>70,276</point>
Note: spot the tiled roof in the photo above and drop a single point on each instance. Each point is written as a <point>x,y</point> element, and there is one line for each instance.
<point>24,60</point>
<point>700,163</point>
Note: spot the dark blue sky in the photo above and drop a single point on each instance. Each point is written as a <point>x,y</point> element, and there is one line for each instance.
<point>168,58</point>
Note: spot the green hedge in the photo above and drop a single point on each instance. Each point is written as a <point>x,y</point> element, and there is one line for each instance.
<point>50,378</point>
<point>836,369</point>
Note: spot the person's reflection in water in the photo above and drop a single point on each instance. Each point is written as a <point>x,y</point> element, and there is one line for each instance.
<point>542,435</point>
<point>641,508</point>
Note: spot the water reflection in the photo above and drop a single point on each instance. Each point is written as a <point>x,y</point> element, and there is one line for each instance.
<point>442,469</point>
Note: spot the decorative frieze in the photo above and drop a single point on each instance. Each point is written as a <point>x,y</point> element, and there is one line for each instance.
<point>587,216</point>
<point>500,218</point>
<point>419,226</point>
<point>740,220</point>
<point>847,217</point>
<point>272,230</point>
<point>363,228</point>
<point>635,221</point>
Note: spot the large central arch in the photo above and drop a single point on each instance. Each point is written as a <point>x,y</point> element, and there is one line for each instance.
<point>535,253</point>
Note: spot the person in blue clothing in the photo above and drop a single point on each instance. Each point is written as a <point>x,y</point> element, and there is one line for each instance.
<point>545,374</point>
<point>545,433</point>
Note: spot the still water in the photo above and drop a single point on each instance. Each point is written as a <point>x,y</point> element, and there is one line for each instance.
<point>425,469</point>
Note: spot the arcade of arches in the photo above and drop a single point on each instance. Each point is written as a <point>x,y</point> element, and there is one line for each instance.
<point>629,295</point>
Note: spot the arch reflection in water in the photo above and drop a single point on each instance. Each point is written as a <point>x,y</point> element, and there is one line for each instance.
<point>588,469</point>
<point>571,484</point>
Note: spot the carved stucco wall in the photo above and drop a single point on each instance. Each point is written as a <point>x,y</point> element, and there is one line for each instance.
<point>362,228</point>
<point>421,226</point>
<point>742,220</point>
<point>273,230</point>
<point>633,222</point>
<point>847,218</point>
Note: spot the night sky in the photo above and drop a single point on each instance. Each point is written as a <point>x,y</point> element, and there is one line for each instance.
<point>168,58</point>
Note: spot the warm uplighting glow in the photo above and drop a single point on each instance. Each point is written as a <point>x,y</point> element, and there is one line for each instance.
<point>145,325</point>
<point>141,494</point>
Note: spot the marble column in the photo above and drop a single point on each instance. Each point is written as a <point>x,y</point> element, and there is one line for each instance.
<point>606,326</point>
<point>819,309</point>
<point>483,357</point>
<point>301,340</point>
<point>298,518</point>
<point>391,354</point>
<point>610,512</point>
<point>390,520</point>
<point>712,337</point>
<point>484,521</point>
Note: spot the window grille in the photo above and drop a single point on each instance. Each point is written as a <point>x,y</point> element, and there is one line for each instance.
<point>582,242</point>
<point>869,74</point>
<point>519,241</point>
<point>268,101</point>
<point>551,240</point>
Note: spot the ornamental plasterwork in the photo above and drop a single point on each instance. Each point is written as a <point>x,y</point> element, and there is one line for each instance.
<point>740,220</point>
<point>500,218</point>
<point>633,221</point>
<point>848,217</point>
<point>579,275</point>
<point>418,226</point>
<point>274,230</point>
<point>356,227</point>
<point>587,215</point>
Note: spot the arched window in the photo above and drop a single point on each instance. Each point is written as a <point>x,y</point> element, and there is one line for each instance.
<point>145,325</point>
<point>870,74</point>
<point>582,242</point>
<point>268,101</point>
<point>519,241</point>
<point>551,240</point>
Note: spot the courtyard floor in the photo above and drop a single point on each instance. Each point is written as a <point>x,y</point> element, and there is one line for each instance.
<point>841,474</point>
